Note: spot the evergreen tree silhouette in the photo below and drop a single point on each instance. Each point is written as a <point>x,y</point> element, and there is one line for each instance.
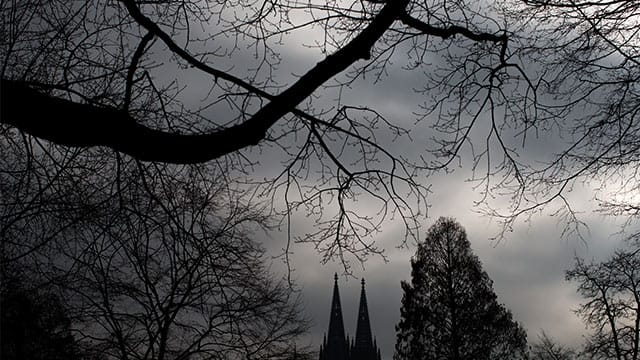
<point>449,309</point>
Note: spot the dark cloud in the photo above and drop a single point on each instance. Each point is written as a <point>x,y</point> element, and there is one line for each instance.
<point>527,267</point>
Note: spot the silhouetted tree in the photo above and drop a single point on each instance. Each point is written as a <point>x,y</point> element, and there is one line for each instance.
<point>612,309</point>
<point>115,74</point>
<point>547,349</point>
<point>33,325</point>
<point>449,310</point>
<point>159,266</point>
<point>172,81</point>
<point>584,55</point>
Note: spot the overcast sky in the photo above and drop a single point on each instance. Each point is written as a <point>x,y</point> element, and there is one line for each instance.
<point>527,270</point>
<point>527,267</point>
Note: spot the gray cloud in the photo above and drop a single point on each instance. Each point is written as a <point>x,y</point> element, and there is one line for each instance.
<point>527,267</point>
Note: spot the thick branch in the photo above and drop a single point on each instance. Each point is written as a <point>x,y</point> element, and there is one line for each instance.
<point>448,31</point>
<point>81,125</point>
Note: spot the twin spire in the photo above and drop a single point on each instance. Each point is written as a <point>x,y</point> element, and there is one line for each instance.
<point>338,347</point>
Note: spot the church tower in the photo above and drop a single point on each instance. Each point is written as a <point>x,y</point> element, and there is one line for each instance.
<point>364,348</point>
<point>335,345</point>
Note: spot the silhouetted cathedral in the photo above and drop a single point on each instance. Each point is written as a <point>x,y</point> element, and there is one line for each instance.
<point>338,347</point>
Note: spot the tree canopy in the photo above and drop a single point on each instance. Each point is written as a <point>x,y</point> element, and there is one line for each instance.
<point>159,265</point>
<point>231,83</point>
<point>449,309</point>
<point>611,290</point>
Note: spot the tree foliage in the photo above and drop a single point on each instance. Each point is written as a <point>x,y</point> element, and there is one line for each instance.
<point>612,309</point>
<point>449,309</point>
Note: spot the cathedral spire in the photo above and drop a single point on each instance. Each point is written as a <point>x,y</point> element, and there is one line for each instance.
<point>364,348</point>
<point>364,341</point>
<point>336,347</point>
<point>336,325</point>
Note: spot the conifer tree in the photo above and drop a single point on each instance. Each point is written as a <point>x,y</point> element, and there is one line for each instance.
<point>449,309</point>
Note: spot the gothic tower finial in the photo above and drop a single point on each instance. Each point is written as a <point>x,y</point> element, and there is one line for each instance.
<point>364,348</point>
<point>336,347</point>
